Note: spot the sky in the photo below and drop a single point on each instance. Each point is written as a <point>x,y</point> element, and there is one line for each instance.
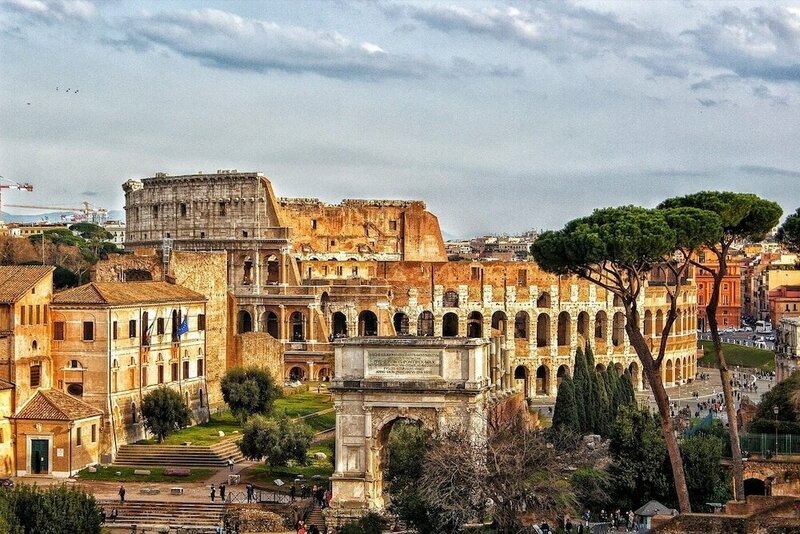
<point>502,117</point>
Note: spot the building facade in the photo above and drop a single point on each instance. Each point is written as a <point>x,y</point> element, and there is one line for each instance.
<point>729,309</point>
<point>787,347</point>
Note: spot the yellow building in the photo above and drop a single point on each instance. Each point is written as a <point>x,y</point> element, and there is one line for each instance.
<point>113,342</point>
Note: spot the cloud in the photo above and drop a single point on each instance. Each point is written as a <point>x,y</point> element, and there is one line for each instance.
<point>90,193</point>
<point>758,170</point>
<point>223,40</point>
<point>53,11</point>
<point>711,103</point>
<point>559,31</point>
<point>761,43</point>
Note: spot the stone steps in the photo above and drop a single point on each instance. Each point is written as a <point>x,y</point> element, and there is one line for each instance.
<point>315,517</point>
<point>203,517</point>
<point>215,456</point>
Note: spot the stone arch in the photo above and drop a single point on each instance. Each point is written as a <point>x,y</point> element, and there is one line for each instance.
<point>669,373</point>
<point>583,325</point>
<point>381,451</point>
<point>618,334</point>
<point>450,299</point>
<point>475,325</point>
<point>247,271</point>
<point>659,327</point>
<point>401,324</point>
<point>618,301</point>
<point>297,372</point>
<point>754,486</point>
<point>244,322</point>
<point>324,302</point>
<point>499,323</point>
<point>521,321</point>
<point>564,321</point>
<point>542,380</point>
<point>633,369</point>
<point>543,330</point>
<point>297,323</point>
<point>600,326</point>
<point>450,325</point>
<point>269,324</point>
<point>367,323</point>
<point>648,323</point>
<point>563,370</point>
<point>544,300</point>
<point>339,321</point>
<point>521,373</point>
<point>619,368</point>
<point>323,374</point>
<point>425,324</point>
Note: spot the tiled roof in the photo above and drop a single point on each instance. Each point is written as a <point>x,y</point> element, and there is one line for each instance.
<point>15,280</point>
<point>124,293</point>
<point>5,384</point>
<point>53,405</point>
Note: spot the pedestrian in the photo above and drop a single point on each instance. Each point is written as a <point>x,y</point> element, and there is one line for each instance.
<point>292,492</point>
<point>230,464</point>
<point>301,528</point>
<point>249,489</point>
<point>587,515</point>
<point>122,493</point>
<point>222,492</point>
<point>213,492</point>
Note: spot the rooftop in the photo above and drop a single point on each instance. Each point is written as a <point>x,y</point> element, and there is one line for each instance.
<point>53,405</point>
<point>15,280</point>
<point>126,293</point>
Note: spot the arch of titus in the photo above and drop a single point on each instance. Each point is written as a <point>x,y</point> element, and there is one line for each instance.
<point>439,382</point>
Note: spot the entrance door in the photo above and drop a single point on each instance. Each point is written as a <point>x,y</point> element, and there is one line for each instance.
<point>40,456</point>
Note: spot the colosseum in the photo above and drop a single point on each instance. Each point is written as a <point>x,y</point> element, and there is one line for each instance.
<point>307,273</point>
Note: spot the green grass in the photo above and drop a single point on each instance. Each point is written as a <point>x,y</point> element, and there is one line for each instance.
<point>739,355</point>
<point>156,475</point>
<point>302,404</point>
<point>321,422</point>
<point>260,475</point>
<point>203,434</point>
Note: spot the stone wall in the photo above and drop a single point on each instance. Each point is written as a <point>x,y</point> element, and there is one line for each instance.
<point>261,350</point>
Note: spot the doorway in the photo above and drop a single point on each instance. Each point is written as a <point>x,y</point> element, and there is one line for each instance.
<point>40,456</point>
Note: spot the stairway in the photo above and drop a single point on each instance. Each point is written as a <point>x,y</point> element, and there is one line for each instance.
<point>201,517</point>
<point>315,517</point>
<point>214,456</point>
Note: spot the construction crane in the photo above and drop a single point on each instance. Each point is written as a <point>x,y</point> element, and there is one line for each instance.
<point>5,183</point>
<point>88,212</point>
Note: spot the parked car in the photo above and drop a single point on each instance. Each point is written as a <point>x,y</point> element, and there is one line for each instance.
<point>7,483</point>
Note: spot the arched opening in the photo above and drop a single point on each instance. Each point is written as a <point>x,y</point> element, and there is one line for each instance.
<point>450,325</point>
<point>367,323</point>
<point>562,371</point>
<point>754,486</point>
<point>544,300</point>
<point>298,325</point>
<point>133,413</point>
<point>269,323</point>
<point>583,325</point>
<point>599,368</point>
<point>247,271</point>
<point>244,322</point>
<point>617,301</point>
<point>669,374</point>
<point>425,324</point>
<point>600,326</point>
<point>323,375</point>
<point>543,330</point>
<point>619,368</point>
<point>339,325</point>
<point>297,373</point>
<point>521,377</point>
<point>475,325</point>
<point>521,325</point>
<point>542,380</point>
<point>499,323</point>
<point>618,334</point>
<point>401,443</point>
<point>450,299</point>
<point>75,389</point>
<point>633,369</point>
<point>659,323</point>
<point>34,345</point>
<point>324,302</point>
<point>273,270</point>
<point>401,324</point>
<point>563,329</point>
<point>648,323</point>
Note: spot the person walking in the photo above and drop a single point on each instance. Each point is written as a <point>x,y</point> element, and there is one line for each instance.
<point>213,492</point>
<point>122,493</point>
<point>250,491</point>
<point>230,464</point>
<point>222,492</point>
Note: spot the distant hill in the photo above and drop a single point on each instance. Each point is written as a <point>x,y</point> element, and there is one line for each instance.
<point>53,217</point>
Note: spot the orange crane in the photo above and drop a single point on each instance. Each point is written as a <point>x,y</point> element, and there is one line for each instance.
<point>5,183</point>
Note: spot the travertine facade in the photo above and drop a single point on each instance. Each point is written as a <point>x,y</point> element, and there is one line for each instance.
<point>307,273</point>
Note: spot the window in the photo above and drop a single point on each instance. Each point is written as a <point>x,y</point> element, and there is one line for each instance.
<point>201,321</point>
<point>313,224</point>
<point>38,314</point>
<point>88,331</point>
<point>725,287</point>
<point>94,433</point>
<point>36,375</point>
<point>183,210</point>
<point>30,314</point>
<point>46,314</point>
<point>160,373</point>
<point>724,300</point>
<point>339,270</point>
<point>222,208</point>
<point>168,235</point>
<point>202,235</point>
<point>114,330</point>
<point>22,315</point>
<point>155,212</point>
<point>199,367</point>
<point>475,273</point>
<point>58,331</point>
<point>701,258</point>
<point>132,328</point>
<point>186,369</point>
<point>78,436</point>
<point>160,326</point>
<point>701,299</point>
<point>333,242</point>
<point>392,225</point>
<point>522,278</point>
<point>144,378</point>
<point>354,271</point>
<point>174,372</point>
<point>244,233</point>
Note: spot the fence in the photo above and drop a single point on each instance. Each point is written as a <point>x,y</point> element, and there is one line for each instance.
<point>768,444</point>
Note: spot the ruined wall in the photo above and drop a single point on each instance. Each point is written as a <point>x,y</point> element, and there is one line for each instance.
<point>259,349</point>
<point>363,229</point>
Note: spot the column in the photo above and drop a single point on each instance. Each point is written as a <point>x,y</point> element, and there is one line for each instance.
<point>282,323</point>
<point>311,333</point>
<point>283,274</point>
<point>257,271</point>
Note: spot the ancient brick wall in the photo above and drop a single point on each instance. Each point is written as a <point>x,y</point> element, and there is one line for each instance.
<point>259,349</point>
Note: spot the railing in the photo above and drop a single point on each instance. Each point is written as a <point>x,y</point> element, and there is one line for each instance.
<point>272,497</point>
<point>767,445</point>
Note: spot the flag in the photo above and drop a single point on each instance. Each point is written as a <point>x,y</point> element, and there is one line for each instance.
<point>149,332</point>
<point>184,327</point>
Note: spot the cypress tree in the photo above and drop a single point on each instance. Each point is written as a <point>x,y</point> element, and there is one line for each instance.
<point>583,392</point>
<point>566,412</point>
<point>600,404</point>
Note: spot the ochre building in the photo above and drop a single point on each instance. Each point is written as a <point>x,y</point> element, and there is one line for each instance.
<point>306,273</point>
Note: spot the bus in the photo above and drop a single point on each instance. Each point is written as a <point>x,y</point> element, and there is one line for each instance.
<point>763,327</point>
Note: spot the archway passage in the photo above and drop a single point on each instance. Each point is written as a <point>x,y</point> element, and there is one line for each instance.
<point>297,321</point>
<point>402,443</point>
<point>754,486</point>
<point>499,323</point>
<point>618,334</point>
<point>450,325</point>
<point>450,299</point>
<point>339,325</point>
<point>367,323</point>
<point>401,324</point>
<point>563,329</point>
<point>425,324</point>
<point>270,324</point>
<point>521,325</point>
<point>600,326</point>
<point>583,325</point>
<point>521,375</point>
<point>563,371</point>
<point>297,373</point>
<point>244,322</point>
<point>543,330</point>
<point>475,325</point>
<point>542,380</point>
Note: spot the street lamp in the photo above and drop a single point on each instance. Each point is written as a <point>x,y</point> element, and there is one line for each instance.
<point>775,411</point>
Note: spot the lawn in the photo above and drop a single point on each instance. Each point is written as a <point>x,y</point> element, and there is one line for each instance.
<point>204,433</point>
<point>739,355</point>
<point>260,475</point>
<point>301,404</point>
<point>156,475</point>
<point>318,423</point>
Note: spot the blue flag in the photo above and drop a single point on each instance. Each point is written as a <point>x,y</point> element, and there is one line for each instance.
<point>184,327</point>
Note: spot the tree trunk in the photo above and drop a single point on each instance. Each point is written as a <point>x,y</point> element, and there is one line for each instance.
<point>653,375</point>
<point>727,389</point>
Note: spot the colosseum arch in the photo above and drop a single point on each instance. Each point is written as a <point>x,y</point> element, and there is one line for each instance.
<point>475,325</point>
<point>543,330</point>
<point>521,321</point>
<point>450,325</point>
